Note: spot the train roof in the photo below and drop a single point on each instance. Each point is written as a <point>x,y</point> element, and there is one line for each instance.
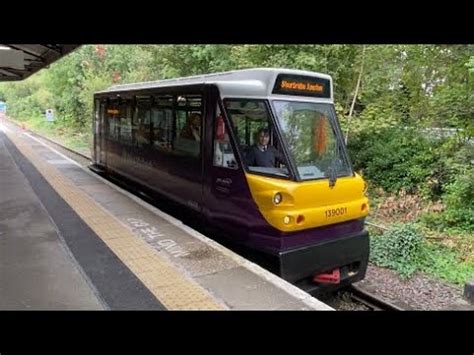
<point>257,82</point>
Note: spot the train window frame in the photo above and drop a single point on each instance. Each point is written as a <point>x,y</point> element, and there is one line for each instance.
<point>275,135</point>
<point>125,116</point>
<point>112,104</point>
<point>187,143</point>
<point>219,112</point>
<point>162,103</point>
<point>146,100</point>
<point>336,130</point>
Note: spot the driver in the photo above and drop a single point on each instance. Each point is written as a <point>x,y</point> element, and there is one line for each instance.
<point>263,154</point>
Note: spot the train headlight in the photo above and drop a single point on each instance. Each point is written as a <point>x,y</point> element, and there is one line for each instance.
<point>287,220</point>
<point>277,198</point>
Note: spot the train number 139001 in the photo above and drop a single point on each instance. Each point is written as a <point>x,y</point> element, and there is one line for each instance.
<point>334,212</point>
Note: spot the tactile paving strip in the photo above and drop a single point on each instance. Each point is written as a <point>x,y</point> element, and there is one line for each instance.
<point>167,283</point>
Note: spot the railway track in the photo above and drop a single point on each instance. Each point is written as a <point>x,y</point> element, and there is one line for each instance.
<point>370,300</point>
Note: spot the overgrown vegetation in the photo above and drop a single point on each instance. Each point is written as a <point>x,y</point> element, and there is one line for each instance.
<point>397,249</point>
<point>404,249</point>
<point>395,158</point>
<point>438,172</point>
<point>416,172</point>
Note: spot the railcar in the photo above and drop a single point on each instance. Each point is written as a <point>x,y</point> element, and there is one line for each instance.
<point>189,138</point>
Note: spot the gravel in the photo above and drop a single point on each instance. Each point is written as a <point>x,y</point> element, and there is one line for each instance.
<point>420,292</point>
<point>342,302</point>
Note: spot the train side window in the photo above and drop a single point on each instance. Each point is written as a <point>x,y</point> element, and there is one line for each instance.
<point>126,121</point>
<point>223,152</point>
<point>141,130</point>
<point>188,125</point>
<point>180,122</point>
<point>113,120</point>
<point>162,122</point>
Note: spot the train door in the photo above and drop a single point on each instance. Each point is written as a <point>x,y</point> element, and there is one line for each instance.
<point>99,134</point>
<point>228,203</point>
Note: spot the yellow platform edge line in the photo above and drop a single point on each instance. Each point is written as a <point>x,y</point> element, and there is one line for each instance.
<point>163,279</point>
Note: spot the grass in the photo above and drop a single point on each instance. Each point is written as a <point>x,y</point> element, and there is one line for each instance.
<point>448,256</point>
<point>433,259</point>
<point>445,263</point>
<point>60,132</point>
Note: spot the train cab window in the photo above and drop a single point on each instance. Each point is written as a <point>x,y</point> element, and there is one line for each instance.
<point>256,135</point>
<point>223,153</point>
<point>188,124</point>
<point>162,122</point>
<point>310,132</point>
<point>141,130</point>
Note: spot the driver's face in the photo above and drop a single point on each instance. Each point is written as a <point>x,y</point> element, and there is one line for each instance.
<point>263,139</point>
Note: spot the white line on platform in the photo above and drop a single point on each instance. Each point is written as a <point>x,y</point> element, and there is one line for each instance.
<point>52,149</point>
<point>4,128</point>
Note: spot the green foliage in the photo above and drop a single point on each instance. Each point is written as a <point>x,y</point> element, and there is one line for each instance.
<point>397,249</point>
<point>400,83</point>
<point>459,200</point>
<point>404,250</point>
<point>375,118</point>
<point>394,158</point>
<point>453,181</point>
<point>433,221</point>
<point>397,160</point>
<point>444,263</point>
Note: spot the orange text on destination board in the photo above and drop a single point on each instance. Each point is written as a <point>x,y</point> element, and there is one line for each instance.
<point>113,111</point>
<point>302,85</point>
<point>295,85</point>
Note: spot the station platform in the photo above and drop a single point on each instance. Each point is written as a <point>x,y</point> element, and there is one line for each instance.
<point>71,240</point>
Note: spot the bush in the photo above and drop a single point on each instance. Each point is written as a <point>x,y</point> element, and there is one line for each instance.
<point>433,220</point>
<point>394,159</point>
<point>459,200</point>
<point>404,250</point>
<point>397,249</point>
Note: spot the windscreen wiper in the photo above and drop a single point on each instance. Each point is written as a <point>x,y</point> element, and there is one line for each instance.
<point>332,174</point>
<point>332,169</point>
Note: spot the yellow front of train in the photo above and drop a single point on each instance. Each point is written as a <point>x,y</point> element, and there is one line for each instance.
<point>324,189</point>
<point>293,206</point>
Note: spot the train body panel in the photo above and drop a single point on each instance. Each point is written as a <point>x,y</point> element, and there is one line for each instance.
<point>309,204</point>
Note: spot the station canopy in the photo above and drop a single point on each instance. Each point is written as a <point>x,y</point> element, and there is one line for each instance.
<point>18,61</point>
